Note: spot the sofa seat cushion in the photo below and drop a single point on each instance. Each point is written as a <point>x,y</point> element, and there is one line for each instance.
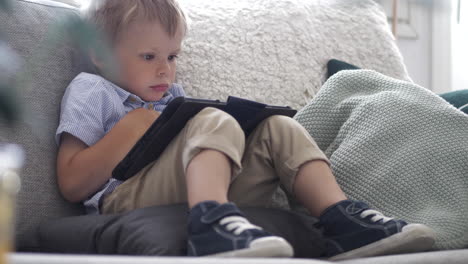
<point>162,230</point>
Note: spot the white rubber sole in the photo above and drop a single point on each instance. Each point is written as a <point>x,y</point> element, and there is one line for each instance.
<point>274,247</point>
<point>412,238</point>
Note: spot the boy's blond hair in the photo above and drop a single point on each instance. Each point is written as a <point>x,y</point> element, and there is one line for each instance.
<point>113,16</point>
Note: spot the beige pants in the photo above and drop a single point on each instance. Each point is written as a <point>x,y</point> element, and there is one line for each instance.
<point>273,154</point>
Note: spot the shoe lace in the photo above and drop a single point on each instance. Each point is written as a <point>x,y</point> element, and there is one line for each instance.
<point>237,224</point>
<point>377,216</point>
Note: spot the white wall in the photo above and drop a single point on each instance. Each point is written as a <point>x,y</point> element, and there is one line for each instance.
<point>441,46</point>
<point>460,48</point>
<point>417,51</point>
<point>428,53</point>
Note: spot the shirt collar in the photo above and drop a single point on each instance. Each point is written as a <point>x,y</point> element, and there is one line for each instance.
<point>127,97</point>
<point>123,94</point>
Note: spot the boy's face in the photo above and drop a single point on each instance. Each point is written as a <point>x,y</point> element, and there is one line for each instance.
<point>147,59</point>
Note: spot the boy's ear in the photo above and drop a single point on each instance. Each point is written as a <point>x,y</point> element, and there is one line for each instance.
<point>95,60</point>
<point>103,60</point>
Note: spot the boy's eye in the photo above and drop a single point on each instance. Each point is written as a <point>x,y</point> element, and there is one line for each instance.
<point>172,57</point>
<point>147,57</point>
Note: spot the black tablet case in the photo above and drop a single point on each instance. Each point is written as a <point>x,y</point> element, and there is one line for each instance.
<point>171,121</point>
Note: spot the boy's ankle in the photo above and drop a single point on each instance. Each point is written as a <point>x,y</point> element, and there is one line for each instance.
<point>223,230</point>
<point>352,229</point>
<point>204,206</point>
<point>330,207</point>
<point>347,216</point>
<point>208,210</point>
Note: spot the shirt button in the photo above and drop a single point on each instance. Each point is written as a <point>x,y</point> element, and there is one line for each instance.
<point>151,106</point>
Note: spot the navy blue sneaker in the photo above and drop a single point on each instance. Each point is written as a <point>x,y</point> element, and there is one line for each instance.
<point>221,230</point>
<point>352,230</point>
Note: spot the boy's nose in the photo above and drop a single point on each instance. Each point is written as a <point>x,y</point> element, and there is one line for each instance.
<point>163,69</point>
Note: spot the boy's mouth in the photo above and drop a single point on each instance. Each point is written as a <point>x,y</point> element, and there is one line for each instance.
<point>160,87</point>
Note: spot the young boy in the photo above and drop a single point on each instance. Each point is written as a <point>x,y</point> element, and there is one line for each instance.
<point>209,163</point>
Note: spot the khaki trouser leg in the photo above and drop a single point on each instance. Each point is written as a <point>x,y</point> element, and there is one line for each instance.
<point>163,181</point>
<point>274,152</point>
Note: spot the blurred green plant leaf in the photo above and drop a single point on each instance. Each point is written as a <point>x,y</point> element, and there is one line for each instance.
<point>77,31</point>
<point>82,36</point>
<point>9,68</point>
<point>5,5</point>
<point>9,109</point>
<point>9,104</point>
<point>87,39</point>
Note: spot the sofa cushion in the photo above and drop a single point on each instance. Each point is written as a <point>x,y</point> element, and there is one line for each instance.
<point>459,99</point>
<point>334,66</point>
<point>162,230</point>
<point>276,51</point>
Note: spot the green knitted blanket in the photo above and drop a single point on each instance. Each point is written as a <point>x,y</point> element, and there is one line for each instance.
<point>396,146</point>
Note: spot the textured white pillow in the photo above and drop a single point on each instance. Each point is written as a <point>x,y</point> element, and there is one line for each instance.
<point>276,51</point>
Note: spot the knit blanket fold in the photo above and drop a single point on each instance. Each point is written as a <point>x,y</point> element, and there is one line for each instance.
<point>398,147</point>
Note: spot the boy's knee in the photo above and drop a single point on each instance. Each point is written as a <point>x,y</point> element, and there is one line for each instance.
<point>211,111</point>
<point>216,122</point>
<point>214,115</point>
<point>281,120</point>
<point>214,129</point>
<point>283,125</point>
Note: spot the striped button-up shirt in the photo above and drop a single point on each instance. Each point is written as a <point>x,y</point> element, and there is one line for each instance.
<point>91,106</point>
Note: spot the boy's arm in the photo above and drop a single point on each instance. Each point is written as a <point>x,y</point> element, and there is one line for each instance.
<point>81,170</point>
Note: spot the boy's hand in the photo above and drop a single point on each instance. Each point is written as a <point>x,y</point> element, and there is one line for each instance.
<point>141,119</point>
<point>83,169</point>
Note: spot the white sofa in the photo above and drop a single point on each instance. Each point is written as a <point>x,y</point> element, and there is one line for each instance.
<point>270,51</point>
